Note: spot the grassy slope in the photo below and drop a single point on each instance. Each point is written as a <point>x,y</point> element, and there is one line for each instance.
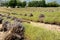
<point>35,33</point>
<point>51,14</point>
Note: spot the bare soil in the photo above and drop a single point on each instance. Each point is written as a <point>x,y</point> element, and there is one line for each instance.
<point>47,26</point>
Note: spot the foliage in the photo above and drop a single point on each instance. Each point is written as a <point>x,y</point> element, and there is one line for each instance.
<point>52,4</point>
<point>37,3</point>
<point>13,3</point>
<point>23,4</point>
<point>4,4</point>
<point>42,4</point>
<point>18,3</point>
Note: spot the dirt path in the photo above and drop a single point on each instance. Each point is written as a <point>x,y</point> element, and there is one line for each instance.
<point>47,26</point>
<point>0,25</point>
<point>43,25</point>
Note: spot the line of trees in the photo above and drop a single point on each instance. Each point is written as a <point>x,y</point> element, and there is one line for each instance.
<point>52,4</point>
<point>43,4</point>
<point>14,3</point>
<point>37,3</point>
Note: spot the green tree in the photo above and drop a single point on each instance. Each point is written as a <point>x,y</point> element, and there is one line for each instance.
<point>13,3</point>
<point>44,3</point>
<point>37,3</point>
<point>53,4</point>
<point>19,4</point>
<point>23,4</point>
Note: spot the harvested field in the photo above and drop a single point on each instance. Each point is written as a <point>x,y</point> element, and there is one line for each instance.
<point>37,26</point>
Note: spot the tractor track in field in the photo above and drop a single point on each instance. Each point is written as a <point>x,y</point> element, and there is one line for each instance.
<point>47,26</point>
<point>43,25</point>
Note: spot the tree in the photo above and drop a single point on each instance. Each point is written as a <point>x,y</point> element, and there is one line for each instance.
<point>6,4</point>
<point>19,4</point>
<point>37,3</point>
<point>33,4</point>
<point>13,3</point>
<point>44,3</point>
<point>53,4</point>
<point>23,4</point>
